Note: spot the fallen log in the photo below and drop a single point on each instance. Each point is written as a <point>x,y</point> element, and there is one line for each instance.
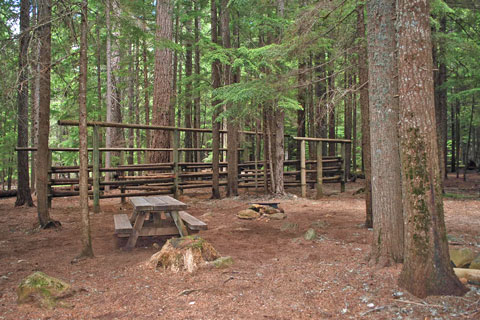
<point>469,274</point>
<point>8,193</point>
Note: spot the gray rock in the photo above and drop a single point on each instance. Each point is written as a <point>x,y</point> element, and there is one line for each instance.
<point>311,234</point>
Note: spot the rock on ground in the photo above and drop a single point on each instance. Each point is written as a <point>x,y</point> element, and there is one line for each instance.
<point>248,214</point>
<point>461,257</point>
<point>43,290</point>
<point>311,234</point>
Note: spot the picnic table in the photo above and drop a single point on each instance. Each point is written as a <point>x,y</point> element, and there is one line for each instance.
<point>156,216</point>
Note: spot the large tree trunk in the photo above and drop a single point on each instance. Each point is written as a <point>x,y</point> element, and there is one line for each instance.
<point>45,38</point>
<point>216,76</point>
<point>387,246</point>
<point>162,89</point>
<point>363,79</point>
<point>87,250</point>
<point>232,126</point>
<point>426,269</point>
<point>23,183</point>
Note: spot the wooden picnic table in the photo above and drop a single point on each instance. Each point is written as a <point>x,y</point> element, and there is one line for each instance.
<point>156,216</point>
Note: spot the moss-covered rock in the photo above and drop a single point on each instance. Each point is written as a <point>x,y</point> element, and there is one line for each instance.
<point>311,234</point>
<point>461,257</point>
<point>222,262</point>
<point>186,253</point>
<point>475,264</point>
<point>43,290</point>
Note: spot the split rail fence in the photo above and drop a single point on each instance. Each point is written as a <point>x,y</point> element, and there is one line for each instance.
<point>175,176</point>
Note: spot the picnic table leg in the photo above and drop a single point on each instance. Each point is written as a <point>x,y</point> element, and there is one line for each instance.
<point>179,223</point>
<point>132,241</point>
<point>134,216</point>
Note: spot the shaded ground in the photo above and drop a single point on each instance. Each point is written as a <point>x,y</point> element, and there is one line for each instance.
<point>276,275</point>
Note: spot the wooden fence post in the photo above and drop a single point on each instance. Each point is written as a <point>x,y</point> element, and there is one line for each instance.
<point>319,170</point>
<point>303,169</point>
<point>49,181</point>
<point>342,174</point>
<point>176,141</point>
<point>96,170</point>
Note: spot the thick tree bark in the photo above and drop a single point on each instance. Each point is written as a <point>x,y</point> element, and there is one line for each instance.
<point>162,89</point>
<point>363,79</point>
<point>87,250</point>
<point>216,78</point>
<point>387,209</point>
<point>23,183</point>
<point>426,269</point>
<point>45,37</point>
<point>232,126</point>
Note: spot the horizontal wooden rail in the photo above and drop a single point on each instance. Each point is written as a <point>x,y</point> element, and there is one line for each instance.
<point>74,123</point>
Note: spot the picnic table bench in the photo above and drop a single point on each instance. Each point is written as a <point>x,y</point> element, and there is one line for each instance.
<point>156,216</point>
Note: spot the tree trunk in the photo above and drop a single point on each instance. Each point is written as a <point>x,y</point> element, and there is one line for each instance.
<point>188,85</point>
<point>45,37</point>
<point>453,161</point>
<point>441,100</point>
<point>131,103</point>
<point>23,182</point>
<point>348,124</point>
<point>146,98</point>
<point>458,135</point>
<point>331,109</point>
<point>363,79</point>
<point>35,100</point>
<point>354,129</point>
<point>426,269</point>
<point>196,99</point>
<point>387,209</point>
<point>467,149</point>
<point>87,250</point>
<point>162,89</point>
<point>232,126</point>
<point>216,76</point>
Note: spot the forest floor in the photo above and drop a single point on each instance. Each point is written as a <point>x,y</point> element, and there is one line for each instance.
<point>276,274</point>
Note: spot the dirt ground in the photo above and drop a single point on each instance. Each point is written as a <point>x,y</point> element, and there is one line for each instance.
<point>276,273</point>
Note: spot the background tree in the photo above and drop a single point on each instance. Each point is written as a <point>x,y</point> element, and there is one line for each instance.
<point>87,250</point>
<point>23,185</point>
<point>387,209</point>
<point>162,89</point>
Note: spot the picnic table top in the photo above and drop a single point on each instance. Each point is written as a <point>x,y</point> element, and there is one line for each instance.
<point>157,203</point>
